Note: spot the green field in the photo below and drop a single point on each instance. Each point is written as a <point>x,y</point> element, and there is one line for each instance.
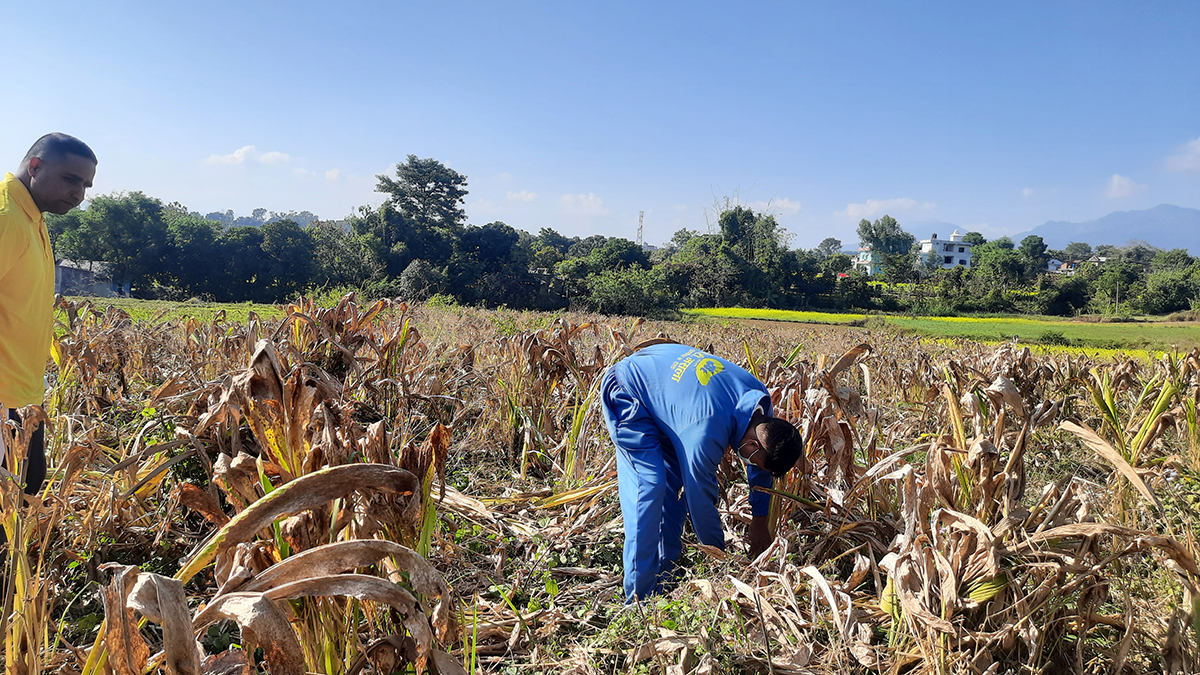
<point>146,310</point>
<point>1052,331</point>
<point>1046,331</point>
<point>777,315</point>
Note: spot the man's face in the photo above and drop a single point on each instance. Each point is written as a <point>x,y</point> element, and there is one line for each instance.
<point>754,451</point>
<point>58,184</point>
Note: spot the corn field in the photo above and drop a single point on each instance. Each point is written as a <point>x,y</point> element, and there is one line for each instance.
<point>378,488</point>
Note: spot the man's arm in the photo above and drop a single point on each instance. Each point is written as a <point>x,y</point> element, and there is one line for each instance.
<point>758,536</point>
<point>703,450</point>
<point>701,491</point>
<point>12,245</point>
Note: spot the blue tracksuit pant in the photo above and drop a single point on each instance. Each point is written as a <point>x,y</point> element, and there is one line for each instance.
<point>649,480</point>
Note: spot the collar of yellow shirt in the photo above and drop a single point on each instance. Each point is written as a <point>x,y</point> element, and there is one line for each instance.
<point>21,195</point>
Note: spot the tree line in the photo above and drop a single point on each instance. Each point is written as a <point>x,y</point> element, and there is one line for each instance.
<point>418,244</point>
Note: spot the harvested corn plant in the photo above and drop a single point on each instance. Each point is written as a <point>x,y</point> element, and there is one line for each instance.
<point>378,487</point>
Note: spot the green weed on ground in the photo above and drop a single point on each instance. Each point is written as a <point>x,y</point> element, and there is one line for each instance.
<point>1041,330</point>
<point>776,315</point>
<point>1137,335</point>
<point>147,310</point>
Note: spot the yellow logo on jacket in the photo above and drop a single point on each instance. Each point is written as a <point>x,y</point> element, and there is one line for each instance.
<point>706,368</point>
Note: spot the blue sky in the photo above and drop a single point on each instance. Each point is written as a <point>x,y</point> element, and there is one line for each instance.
<point>991,116</point>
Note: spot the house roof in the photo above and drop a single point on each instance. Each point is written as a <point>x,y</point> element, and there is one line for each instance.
<point>93,266</point>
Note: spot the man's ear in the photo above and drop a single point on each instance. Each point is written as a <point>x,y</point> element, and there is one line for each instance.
<point>35,164</point>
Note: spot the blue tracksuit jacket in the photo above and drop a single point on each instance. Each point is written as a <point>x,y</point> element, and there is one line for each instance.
<point>671,411</point>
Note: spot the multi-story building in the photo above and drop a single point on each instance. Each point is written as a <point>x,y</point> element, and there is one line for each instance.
<point>868,261</point>
<point>951,253</point>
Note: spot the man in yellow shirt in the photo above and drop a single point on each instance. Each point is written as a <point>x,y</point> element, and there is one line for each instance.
<point>54,176</point>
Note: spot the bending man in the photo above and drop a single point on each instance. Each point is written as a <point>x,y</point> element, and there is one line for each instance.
<point>671,411</point>
<point>54,176</point>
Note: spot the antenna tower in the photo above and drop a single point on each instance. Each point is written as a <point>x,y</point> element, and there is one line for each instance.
<point>641,217</point>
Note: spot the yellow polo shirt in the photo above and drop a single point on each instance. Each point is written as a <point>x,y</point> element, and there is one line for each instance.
<point>26,296</point>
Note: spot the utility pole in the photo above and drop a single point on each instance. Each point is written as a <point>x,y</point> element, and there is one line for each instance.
<point>1118,309</point>
<point>641,217</point>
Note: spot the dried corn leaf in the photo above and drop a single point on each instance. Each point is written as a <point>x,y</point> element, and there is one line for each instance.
<point>200,501</point>
<point>364,587</point>
<point>1102,448</point>
<point>263,624</point>
<point>127,650</point>
<point>163,601</point>
<point>306,492</point>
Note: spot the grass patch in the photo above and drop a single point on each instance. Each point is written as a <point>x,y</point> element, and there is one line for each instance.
<point>1056,332</point>
<point>146,310</point>
<point>777,315</point>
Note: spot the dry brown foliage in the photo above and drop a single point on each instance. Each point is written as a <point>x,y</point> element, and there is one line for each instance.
<point>386,488</point>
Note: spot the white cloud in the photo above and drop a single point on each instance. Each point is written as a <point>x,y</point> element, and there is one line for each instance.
<point>303,173</point>
<point>274,157</point>
<point>522,196</point>
<point>784,205</point>
<point>584,205</point>
<point>1027,193</point>
<point>249,153</point>
<point>1122,186</point>
<point>876,207</point>
<point>1188,158</point>
<point>483,207</point>
<point>332,174</point>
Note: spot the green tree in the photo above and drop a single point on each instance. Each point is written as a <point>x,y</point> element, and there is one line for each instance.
<point>1175,259</point>
<point>427,193</point>
<point>1078,250</point>
<point>829,246</point>
<point>885,236</point>
<point>288,259</point>
<point>894,246</point>
<point>1064,295</point>
<point>704,273</point>
<point>422,217</point>
<point>838,263</point>
<point>1033,255</point>
<point>420,280</point>
<point>190,260</point>
<point>125,230</point>
<point>583,247</point>
<point>549,237</point>
<point>1118,282</point>
<point>245,275</point>
<point>631,291</point>
<point>491,266</point>
<point>1139,254</point>
<point>1169,290</point>
<point>997,263</point>
<point>681,237</point>
<point>341,258</point>
<point>974,238</point>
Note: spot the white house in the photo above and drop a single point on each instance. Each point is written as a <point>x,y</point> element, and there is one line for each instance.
<point>952,252</point>
<point>1055,266</point>
<point>868,261</point>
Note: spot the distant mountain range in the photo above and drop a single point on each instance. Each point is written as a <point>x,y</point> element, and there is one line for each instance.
<point>1164,226</point>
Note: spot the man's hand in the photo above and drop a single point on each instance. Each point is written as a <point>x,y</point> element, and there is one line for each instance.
<point>758,536</point>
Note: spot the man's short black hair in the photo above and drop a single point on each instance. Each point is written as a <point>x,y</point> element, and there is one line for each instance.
<point>782,444</point>
<point>57,145</point>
